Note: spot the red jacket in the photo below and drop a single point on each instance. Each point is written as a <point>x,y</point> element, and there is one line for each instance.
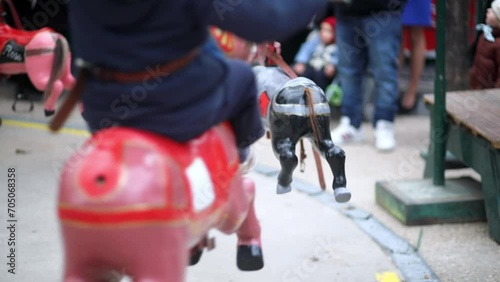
<point>485,71</point>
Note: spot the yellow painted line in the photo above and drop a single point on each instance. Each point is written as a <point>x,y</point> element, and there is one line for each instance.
<point>43,126</point>
<point>387,277</point>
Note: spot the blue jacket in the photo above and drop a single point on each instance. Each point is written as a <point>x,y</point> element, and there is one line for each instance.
<point>133,35</point>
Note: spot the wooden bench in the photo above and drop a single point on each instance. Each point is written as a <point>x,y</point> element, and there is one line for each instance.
<point>473,136</point>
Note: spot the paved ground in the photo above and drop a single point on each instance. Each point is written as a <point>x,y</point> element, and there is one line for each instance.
<point>302,238</point>
<point>306,236</point>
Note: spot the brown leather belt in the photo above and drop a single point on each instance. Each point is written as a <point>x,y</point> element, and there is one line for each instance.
<point>111,75</point>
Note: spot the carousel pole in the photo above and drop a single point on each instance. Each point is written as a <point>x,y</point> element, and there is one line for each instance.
<point>2,13</point>
<point>438,137</point>
<point>14,14</point>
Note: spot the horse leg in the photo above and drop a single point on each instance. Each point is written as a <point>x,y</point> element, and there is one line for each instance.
<point>249,254</point>
<point>335,157</point>
<point>76,277</point>
<point>240,217</point>
<point>67,77</point>
<point>78,271</point>
<point>73,273</point>
<point>161,256</point>
<point>81,276</point>
<point>66,82</point>
<point>285,150</point>
<point>50,103</point>
<point>46,69</point>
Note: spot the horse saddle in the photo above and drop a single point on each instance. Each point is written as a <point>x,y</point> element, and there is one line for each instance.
<point>12,52</point>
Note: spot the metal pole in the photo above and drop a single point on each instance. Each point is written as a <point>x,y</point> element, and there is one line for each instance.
<point>439,137</point>
<point>481,11</point>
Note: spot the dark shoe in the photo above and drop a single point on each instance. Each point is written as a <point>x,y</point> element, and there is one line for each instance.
<point>404,111</point>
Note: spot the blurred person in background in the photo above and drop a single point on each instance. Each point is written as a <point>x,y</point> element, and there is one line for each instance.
<point>485,72</point>
<point>368,33</point>
<point>417,15</point>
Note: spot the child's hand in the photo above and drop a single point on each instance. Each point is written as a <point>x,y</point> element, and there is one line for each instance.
<point>277,47</point>
<point>261,51</point>
<point>329,70</point>
<point>299,68</point>
<point>491,19</point>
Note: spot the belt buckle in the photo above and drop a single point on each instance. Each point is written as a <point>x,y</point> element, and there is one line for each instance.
<point>95,71</point>
<point>102,74</point>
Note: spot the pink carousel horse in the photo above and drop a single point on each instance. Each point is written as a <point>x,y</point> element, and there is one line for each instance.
<point>43,55</point>
<point>140,204</point>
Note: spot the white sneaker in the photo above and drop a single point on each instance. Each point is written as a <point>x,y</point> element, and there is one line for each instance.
<point>384,135</point>
<point>346,133</point>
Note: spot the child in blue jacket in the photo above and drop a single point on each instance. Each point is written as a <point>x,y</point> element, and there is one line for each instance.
<point>318,56</point>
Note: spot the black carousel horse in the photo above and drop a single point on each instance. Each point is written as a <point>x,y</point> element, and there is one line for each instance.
<point>291,110</point>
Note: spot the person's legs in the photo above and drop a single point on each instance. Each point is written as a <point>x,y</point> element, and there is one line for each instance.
<point>384,47</point>
<point>322,80</point>
<point>351,66</point>
<point>318,76</point>
<point>401,58</point>
<point>417,63</point>
<point>417,15</point>
<point>309,72</point>
<point>351,70</point>
<point>241,106</point>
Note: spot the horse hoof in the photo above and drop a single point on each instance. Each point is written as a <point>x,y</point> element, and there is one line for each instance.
<point>342,195</point>
<point>195,256</point>
<point>49,113</point>
<point>249,258</point>
<point>282,189</point>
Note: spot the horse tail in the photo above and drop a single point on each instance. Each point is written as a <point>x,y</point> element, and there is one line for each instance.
<point>61,52</point>
<point>312,115</point>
